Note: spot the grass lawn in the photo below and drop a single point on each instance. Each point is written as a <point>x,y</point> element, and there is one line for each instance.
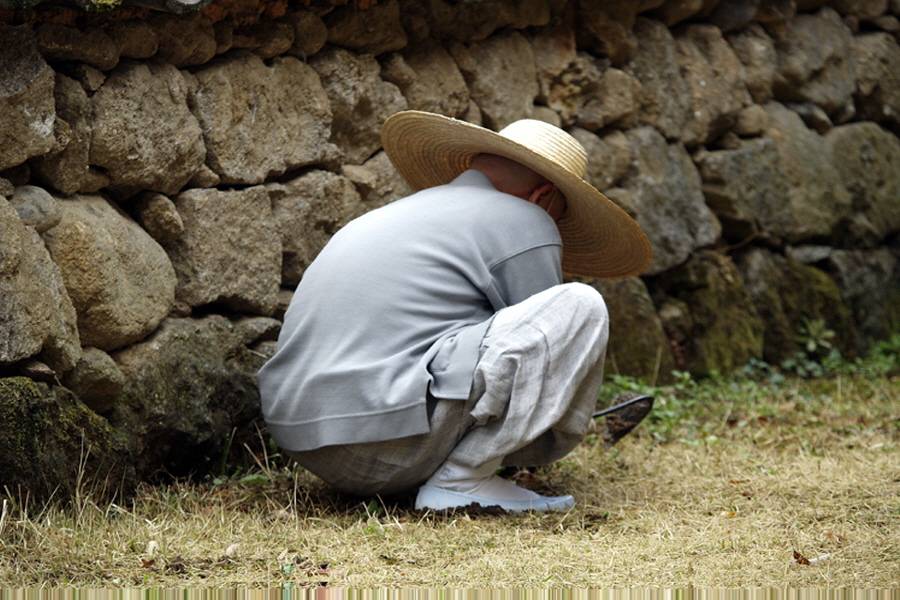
<point>762,482</point>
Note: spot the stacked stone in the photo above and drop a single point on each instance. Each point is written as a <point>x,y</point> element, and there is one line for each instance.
<point>165,181</point>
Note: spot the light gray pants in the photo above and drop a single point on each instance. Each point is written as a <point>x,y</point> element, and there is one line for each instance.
<point>533,394</point>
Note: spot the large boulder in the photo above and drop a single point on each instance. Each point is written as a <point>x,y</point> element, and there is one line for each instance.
<point>187,389</point>
<point>60,43</point>
<point>27,110</point>
<point>67,168</point>
<point>307,211</point>
<point>38,316</point>
<point>501,76</point>
<point>373,31</point>
<point>869,281</point>
<point>144,135</point>
<point>665,101</point>
<point>608,30</point>
<point>53,446</point>
<point>756,51</point>
<point>817,201</point>
<point>791,296</point>
<point>747,189</point>
<point>377,181</point>
<point>429,79</point>
<point>815,62</point>
<point>714,318</point>
<point>230,251</point>
<point>665,189</point>
<point>609,156</point>
<point>184,41</point>
<point>877,60</point>
<point>258,120</point>
<point>360,101</point>
<point>96,380</point>
<point>638,344</point>
<point>715,83</point>
<point>869,168</point>
<point>120,280</point>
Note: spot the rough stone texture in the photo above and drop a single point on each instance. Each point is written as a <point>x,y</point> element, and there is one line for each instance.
<point>257,329</point>
<point>725,329</point>
<point>756,51</point>
<point>638,345</point>
<point>310,33</point>
<point>429,79</point>
<point>186,40</point>
<point>36,207</point>
<point>577,83</point>
<point>877,60</point>
<point>159,217</point>
<point>608,156</point>
<point>360,101</point>
<point>187,388</point>
<point>818,201</point>
<point>67,169</point>
<point>377,181</point>
<point>134,39</point>
<point>307,211</point>
<point>869,281</point>
<point>501,76</point>
<point>747,189</point>
<point>752,121</point>
<point>120,280</point>
<point>613,100</point>
<point>862,9</point>
<point>715,83</point>
<point>374,31</point>
<point>789,295</point>
<point>260,120</point>
<point>144,135</point>
<point>50,444</point>
<point>27,112</point>
<point>96,380</point>
<point>869,167</point>
<point>36,314</point>
<point>665,189</point>
<point>814,62</point>
<point>665,100</point>
<point>608,30</point>
<point>456,22</point>
<point>60,43</point>
<point>266,38</point>
<point>230,252</point>
<point>554,52</point>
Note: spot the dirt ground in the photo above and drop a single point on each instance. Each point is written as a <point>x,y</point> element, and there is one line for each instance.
<point>725,486</point>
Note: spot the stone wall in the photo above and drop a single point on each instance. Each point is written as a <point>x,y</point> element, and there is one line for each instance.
<point>165,180</point>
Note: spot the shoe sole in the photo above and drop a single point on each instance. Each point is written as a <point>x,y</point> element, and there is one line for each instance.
<point>437,498</point>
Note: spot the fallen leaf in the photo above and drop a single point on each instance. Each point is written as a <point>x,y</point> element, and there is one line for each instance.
<point>146,564</point>
<point>799,558</point>
<point>748,493</point>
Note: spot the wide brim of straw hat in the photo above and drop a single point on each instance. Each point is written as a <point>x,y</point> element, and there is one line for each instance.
<point>599,239</point>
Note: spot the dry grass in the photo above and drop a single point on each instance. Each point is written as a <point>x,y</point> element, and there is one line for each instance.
<point>719,490</point>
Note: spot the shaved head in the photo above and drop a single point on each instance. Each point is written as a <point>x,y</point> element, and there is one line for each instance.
<point>508,175</point>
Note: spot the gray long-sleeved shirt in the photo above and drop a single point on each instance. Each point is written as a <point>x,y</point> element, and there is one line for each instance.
<point>398,301</point>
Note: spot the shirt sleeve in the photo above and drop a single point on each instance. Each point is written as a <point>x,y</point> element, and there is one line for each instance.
<point>522,275</point>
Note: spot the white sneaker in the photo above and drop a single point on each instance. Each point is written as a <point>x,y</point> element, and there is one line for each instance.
<point>454,486</point>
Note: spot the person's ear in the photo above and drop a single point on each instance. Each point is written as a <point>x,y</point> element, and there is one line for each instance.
<point>541,195</point>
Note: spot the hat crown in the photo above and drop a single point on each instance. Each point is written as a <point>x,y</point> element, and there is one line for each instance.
<point>551,142</point>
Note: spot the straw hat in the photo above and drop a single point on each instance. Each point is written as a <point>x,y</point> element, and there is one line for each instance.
<point>599,239</point>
